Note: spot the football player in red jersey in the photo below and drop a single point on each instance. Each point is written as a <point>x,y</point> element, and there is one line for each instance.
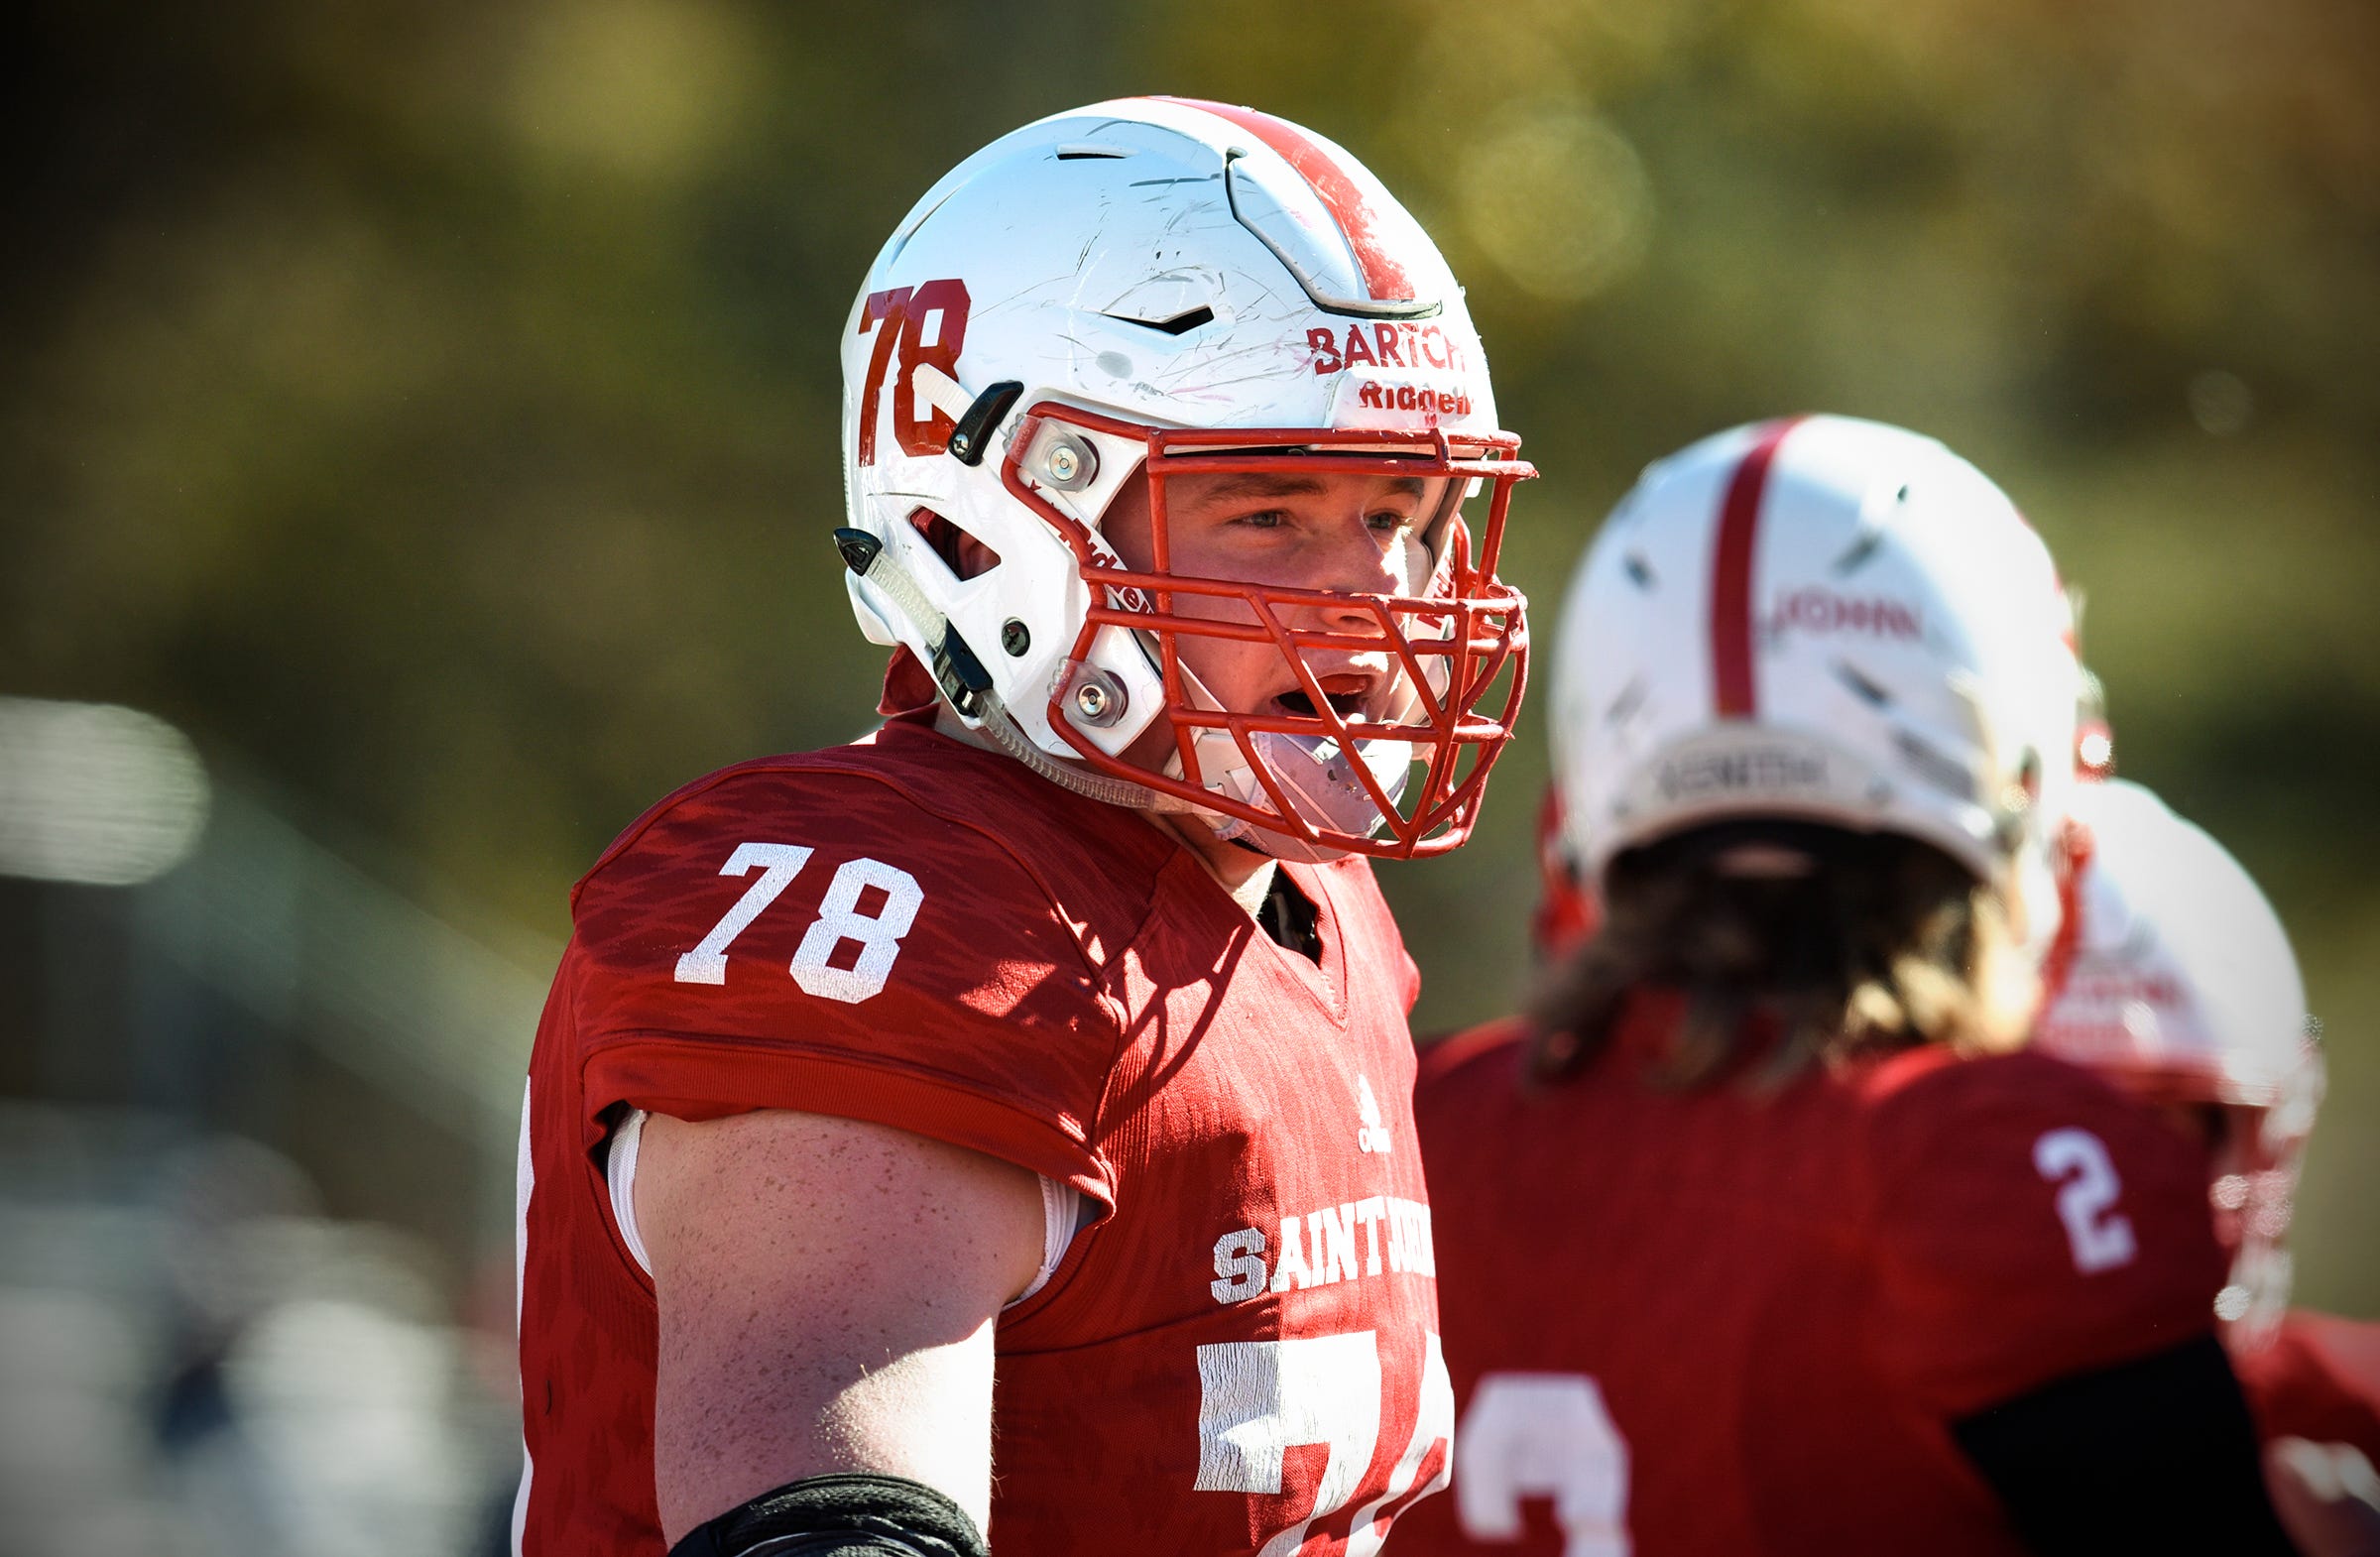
<point>1772,1239</point>
<point>1048,1047</point>
<point>2185,991</point>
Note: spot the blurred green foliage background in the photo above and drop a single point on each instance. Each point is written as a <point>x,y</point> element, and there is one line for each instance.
<point>433,405</point>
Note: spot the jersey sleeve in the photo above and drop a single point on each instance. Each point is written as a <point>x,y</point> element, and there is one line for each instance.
<point>2031,1225</point>
<point>822,941</point>
<point>2318,1378</point>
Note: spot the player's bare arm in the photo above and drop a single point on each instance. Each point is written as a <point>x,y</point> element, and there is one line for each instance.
<point>827,1290</point>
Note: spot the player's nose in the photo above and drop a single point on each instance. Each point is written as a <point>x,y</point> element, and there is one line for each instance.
<point>1356,560</point>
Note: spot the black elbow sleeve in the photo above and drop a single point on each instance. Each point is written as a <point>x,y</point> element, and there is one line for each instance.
<point>846,1515</point>
<point>2158,1455</point>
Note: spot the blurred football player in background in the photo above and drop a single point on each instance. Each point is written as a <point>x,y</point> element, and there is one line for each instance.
<point>1773,1238</point>
<point>1052,1039</point>
<point>2184,993</point>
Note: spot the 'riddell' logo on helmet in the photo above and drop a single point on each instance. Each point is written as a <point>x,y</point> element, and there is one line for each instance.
<point>1775,768</point>
<point>1818,609</point>
<point>1386,345</point>
<point>1125,596</point>
<point>1375,396</point>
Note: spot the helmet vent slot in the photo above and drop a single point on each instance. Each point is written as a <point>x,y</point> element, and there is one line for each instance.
<point>1624,706</point>
<point>1091,152</point>
<point>965,555</point>
<point>1861,549</point>
<point>1180,324</point>
<point>1943,772</point>
<point>1865,690</point>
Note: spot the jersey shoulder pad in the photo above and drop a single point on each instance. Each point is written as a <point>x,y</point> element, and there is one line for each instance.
<point>2030,1224</point>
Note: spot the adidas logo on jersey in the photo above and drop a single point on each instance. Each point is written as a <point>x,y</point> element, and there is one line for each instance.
<point>1372,1134</point>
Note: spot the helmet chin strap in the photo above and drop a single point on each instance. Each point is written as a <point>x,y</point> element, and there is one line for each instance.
<point>1003,727</point>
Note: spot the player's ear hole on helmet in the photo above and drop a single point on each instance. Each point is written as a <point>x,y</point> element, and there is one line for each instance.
<point>965,555</point>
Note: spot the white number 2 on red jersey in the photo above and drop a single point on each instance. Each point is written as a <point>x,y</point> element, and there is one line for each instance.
<point>2076,1162</point>
<point>1257,1398</point>
<point>877,935</point>
<point>1544,1435</point>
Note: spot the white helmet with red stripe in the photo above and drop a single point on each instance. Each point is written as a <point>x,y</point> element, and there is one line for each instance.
<point>1161,286</point>
<point>2184,989</point>
<point>1823,619</point>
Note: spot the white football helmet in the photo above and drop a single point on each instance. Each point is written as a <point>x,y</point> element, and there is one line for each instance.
<point>1828,620</point>
<point>1165,286</point>
<point>2184,989</point>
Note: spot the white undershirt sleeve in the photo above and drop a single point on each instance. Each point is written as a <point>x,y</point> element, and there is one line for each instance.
<point>1061,1206</point>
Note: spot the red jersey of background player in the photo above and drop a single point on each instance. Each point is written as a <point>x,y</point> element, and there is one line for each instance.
<point>1711,1320</point>
<point>2316,1376</point>
<point>1238,1349</point>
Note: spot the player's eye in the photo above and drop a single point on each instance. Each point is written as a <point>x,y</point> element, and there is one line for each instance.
<point>1388,518</point>
<point>1265,518</point>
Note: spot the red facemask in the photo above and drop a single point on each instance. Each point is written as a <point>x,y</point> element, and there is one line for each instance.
<point>1330,782</point>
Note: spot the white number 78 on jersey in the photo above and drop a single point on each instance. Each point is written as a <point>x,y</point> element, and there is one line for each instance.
<point>839,919</point>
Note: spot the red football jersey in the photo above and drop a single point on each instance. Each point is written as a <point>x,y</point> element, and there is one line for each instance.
<point>2318,1378</point>
<point>1716,1321</point>
<point>1237,1354</point>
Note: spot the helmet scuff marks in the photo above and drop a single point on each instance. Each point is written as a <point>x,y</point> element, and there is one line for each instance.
<point>1828,620</point>
<point>1164,320</point>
